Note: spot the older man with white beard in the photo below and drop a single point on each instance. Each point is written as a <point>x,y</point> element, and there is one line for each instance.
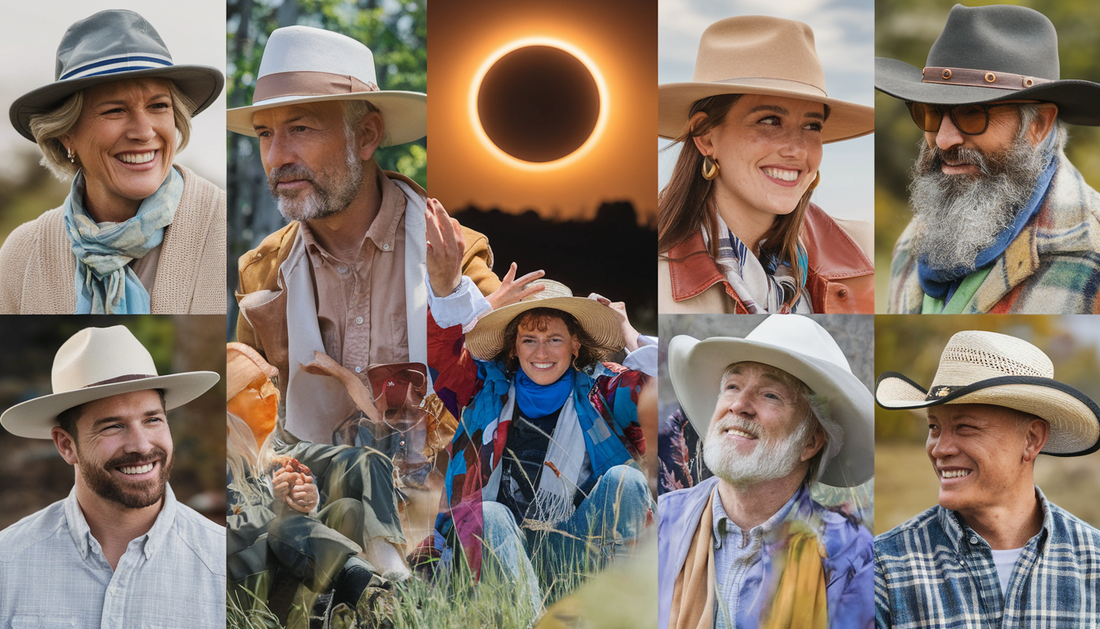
<point>780,410</point>
<point>1003,222</point>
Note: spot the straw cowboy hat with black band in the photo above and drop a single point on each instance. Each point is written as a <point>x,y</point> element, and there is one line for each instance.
<point>112,46</point>
<point>302,64</point>
<point>759,55</point>
<point>800,347</point>
<point>601,323</point>
<point>989,54</point>
<point>97,363</point>
<point>979,367</point>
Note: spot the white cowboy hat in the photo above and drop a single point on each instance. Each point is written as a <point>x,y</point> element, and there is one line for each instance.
<point>600,322</point>
<point>302,64</point>
<point>111,46</point>
<point>979,367</point>
<point>97,363</point>
<point>759,55</point>
<point>805,350</point>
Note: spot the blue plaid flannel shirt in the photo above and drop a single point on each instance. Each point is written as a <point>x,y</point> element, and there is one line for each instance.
<point>934,571</point>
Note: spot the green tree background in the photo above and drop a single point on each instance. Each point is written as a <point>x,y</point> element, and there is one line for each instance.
<point>905,30</point>
<point>396,33</point>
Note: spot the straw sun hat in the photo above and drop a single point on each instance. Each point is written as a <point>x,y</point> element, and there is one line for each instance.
<point>112,46</point>
<point>759,55</point>
<point>302,64</point>
<point>988,368</point>
<point>600,322</point>
<point>97,363</point>
<point>805,350</point>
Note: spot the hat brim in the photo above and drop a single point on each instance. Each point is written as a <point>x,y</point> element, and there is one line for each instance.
<point>696,369</point>
<point>405,114</point>
<point>674,100</point>
<point>202,84</point>
<point>35,418</point>
<point>1076,99</point>
<point>1073,417</point>
<point>600,322</point>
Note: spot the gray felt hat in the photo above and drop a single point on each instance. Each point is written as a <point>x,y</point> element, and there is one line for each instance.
<point>111,46</point>
<point>992,53</point>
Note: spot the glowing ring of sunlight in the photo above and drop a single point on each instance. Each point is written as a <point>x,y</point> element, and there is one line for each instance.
<point>593,138</point>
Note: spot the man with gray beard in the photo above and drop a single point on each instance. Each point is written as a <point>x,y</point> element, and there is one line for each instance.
<point>780,410</point>
<point>1003,222</point>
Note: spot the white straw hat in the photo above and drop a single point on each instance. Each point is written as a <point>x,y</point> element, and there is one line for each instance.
<point>979,367</point>
<point>805,350</point>
<point>302,64</point>
<point>600,322</point>
<point>97,363</point>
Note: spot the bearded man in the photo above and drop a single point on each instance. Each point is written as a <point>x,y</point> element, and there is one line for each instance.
<point>779,410</point>
<point>1003,222</point>
<point>120,550</point>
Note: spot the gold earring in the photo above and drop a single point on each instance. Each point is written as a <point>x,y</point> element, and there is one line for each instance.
<point>710,167</point>
<point>817,180</point>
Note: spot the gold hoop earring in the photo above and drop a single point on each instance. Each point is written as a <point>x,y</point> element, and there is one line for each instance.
<point>710,167</point>
<point>817,180</point>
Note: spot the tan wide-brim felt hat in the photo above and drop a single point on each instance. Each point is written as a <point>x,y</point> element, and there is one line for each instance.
<point>805,350</point>
<point>302,64</point>
<point>600,322</point>
<point>759,55</point>
<point>97,363</point>
<point>979,367</point>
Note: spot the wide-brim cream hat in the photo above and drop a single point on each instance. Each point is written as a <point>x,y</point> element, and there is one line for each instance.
<point>759,55</point>
<point>302,64</point>
<point>600,322</point>
<point>112,46</point>
<point>805,350</point>
<point>979,367</point>
<point>243,364</point>
<point>97,363</point>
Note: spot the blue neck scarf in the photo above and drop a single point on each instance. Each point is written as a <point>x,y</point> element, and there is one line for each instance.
<point>539,400</point>
<point>105,284</point>
<point>942,284</point>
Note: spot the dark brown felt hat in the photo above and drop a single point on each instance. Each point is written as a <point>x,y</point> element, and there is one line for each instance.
<point>988,54</point>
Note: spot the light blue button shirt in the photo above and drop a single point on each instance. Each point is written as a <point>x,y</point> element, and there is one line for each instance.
<point>53,572</point>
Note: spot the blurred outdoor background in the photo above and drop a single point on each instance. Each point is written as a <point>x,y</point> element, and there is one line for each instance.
<point>905,30</point>
<point>35,474</point>
<point>29,39</point>
<point>397,35</point>
<point>912,344</point>
<point>853,333</point>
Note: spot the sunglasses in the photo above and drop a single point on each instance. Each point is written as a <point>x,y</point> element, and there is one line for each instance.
<point>969,119</point>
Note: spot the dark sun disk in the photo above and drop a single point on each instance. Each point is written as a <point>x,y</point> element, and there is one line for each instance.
<point>538,103</point>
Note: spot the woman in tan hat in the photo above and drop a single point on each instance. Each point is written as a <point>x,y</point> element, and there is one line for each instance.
<point>736,229</point>
<point>137,234</point>
<point>547,435</point>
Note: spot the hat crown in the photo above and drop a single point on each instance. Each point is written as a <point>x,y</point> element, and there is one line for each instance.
<point>96,43</point>
<point>974,355</point>
<point>759,48</point>
<point>309,49</point>
<point>95,355</point>
<point>999,38</point>
<point>801,336</point>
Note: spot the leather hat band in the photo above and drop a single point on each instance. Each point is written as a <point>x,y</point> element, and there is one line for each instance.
<point>307,84</point>
<point>981,78</point>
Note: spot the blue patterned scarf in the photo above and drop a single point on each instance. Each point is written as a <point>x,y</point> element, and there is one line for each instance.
<point>105,284</point>
<point>764,285</point>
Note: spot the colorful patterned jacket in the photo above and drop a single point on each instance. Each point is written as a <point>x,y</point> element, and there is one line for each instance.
<point>607,407</point>
<point>1052,267</point>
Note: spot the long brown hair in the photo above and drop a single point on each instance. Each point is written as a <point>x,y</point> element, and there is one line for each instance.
<point>686,203</point>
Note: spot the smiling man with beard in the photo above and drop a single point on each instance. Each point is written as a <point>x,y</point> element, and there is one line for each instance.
<point>780,410</point>
<point>120,550</point>
<point>1003,222</point>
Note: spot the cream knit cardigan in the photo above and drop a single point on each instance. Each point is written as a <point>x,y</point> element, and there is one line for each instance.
<point>37,266</point>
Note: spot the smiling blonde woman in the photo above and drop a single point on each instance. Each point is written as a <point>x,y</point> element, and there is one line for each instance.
<point>136,234</point>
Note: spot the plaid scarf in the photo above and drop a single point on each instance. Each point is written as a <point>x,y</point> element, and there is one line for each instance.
<point>105,284</point>
<point>764,285</point>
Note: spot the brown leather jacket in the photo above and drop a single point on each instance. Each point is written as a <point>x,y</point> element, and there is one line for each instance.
<point>840,279</point>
